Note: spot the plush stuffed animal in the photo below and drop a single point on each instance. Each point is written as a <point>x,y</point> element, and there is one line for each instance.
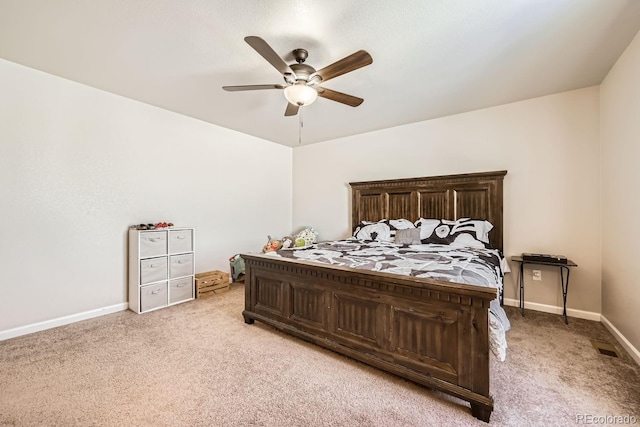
<point>272,245</point>
<point>287,242</point>
<point>306,237</point>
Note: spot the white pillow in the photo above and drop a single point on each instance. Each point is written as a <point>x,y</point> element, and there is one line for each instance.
<point>426,227</point>
<point>480,227</point>
<point>466,240</point>
<point>377,231</point>
<point>401,224</point>
<point>446,231</point>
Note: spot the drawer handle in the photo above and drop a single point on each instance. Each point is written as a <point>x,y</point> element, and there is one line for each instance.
<point>153,239</point>
<point>151,265</point>
<point>181,261</point>
<point>180,237</point>
<point>181,285</point>
<point>155,292</point>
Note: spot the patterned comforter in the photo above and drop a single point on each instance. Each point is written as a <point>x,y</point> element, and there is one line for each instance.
<point>474,266</point>
<point>453,263</point>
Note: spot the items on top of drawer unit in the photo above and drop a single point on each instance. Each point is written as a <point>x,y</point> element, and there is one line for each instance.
<point>156,226</point>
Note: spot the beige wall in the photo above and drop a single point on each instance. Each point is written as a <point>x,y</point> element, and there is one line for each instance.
<point>79,165</point>
<point>550,147</point>
<point>620,136</point>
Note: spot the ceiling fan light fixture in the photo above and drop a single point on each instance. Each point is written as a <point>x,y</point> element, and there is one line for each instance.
<point>302,81</point>
<point>300,94</point>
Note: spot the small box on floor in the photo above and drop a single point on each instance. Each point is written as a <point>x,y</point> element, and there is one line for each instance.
<point>211,283</point>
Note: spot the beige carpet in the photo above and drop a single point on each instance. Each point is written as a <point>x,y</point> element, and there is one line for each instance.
<point>199,364</point>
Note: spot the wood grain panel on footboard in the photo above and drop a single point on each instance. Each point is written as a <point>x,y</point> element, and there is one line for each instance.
<point>431,332</point>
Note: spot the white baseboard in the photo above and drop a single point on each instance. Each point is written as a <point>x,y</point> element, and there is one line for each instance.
<point>633,352</point>
<point>48,324</point>
<point>580,314</point>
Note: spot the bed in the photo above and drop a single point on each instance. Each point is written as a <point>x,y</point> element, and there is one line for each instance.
<point>432,332</point>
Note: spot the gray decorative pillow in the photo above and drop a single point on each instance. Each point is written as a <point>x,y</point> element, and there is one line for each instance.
<point>408,236</point>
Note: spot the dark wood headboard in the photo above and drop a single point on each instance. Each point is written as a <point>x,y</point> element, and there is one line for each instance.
<point>472,195</point>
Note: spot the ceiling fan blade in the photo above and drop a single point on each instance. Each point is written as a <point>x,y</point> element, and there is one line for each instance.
<point>343,98</point>
<point>352,62</point>
<point>291,110</point>
<point>263,48</point>
<point>252,87</point>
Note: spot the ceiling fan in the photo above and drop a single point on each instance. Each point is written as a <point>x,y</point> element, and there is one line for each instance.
<point>302,81</point>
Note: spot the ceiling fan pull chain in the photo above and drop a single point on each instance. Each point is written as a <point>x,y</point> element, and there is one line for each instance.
<point>300,127</point>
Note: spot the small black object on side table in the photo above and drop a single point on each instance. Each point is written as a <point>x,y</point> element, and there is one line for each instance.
<point>541,259</point>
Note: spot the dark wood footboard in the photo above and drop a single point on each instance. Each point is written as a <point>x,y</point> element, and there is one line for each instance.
<point>431,332</point>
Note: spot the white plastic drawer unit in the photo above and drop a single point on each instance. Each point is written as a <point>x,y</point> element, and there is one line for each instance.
<point>180,241</point>
<point>153,243</point>
<point>180,289</point>
<point>180,265</point>
<point>153,296</point>
<point>153,270</point>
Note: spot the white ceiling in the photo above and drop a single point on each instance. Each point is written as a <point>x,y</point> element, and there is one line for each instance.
<point>431,58</point>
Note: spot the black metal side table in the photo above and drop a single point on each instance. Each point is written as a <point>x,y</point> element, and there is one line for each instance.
<point>564,280</point>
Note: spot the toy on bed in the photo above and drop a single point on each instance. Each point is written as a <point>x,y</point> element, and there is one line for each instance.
<point>272,245</point>
<point>306,237</point>
<point>287,242</point>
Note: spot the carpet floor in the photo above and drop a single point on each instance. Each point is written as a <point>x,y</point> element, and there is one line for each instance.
<point>199,364</point>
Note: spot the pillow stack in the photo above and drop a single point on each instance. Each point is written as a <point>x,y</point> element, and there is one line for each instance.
<point>463,231</point>
<point>466,231</point>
